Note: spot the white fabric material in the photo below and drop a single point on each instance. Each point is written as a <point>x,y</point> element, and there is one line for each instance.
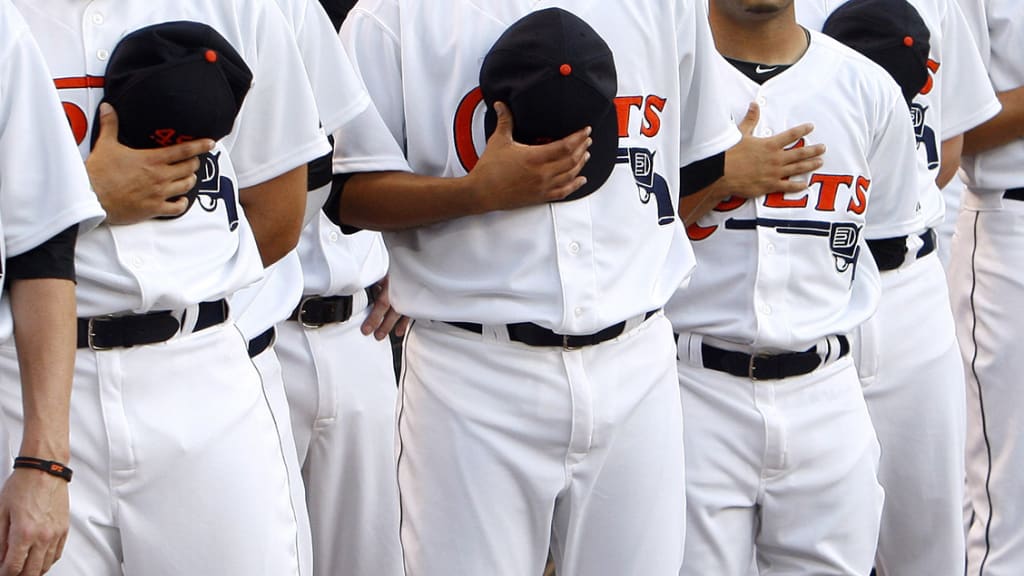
<point>169,264</point>
<point>342,391</point>
<point>778,474</point>
<point>505,450</point>
<point>43,185</point>
<point>784,271</point>
<point>575,267</point>
<point>177,471</point>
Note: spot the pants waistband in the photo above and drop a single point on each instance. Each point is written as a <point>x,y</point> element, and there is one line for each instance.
<point>107,332</point>
<point>534,335</point>
<point>893,253</point>
<point>776,366</point>
<point>259,344</point>
<point>319,311</point>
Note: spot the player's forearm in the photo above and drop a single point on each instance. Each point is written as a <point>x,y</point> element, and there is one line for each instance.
<point>44,330</point>
<point>950,163</point>
<point>695,206</point>
<point>399,200</point>
<point>1004,128</point>
<point>275,209</point>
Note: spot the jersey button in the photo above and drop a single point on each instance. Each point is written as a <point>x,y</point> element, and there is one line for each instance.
<point>578,311</point>
<point>761,100</point>
<point>102,54</point>
<point>766,309</point>
<point>574,247</point>
<point>770,248</point>
<point>97,19</point>
<point>138,262</point>
<point>333,237</point>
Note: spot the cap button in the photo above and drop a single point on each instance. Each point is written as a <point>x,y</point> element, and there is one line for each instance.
<point>908,41</point>
<point>565,69</point>
<point>211,56</point>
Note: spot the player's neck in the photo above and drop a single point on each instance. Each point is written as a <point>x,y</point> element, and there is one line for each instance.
<point>776,40</point>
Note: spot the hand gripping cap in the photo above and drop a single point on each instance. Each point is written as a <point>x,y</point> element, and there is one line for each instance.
<point>557,75</point>
<point>889,32</point>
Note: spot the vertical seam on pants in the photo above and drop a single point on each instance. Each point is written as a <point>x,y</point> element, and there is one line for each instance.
<point>401,450</point>
<point>981,399</point>
<point>281,449</point>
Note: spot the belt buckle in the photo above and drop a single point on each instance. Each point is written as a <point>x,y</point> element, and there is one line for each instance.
<point>91,334</point>
<point>752,366</point>
<point>565,344</point>
<point>302,314</point>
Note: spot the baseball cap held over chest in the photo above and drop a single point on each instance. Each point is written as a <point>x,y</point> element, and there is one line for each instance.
<point>557,75</point>
<point>889,32</point>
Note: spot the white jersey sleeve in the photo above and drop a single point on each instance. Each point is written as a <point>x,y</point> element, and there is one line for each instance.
<point>707,127</point>
<point>967,96</point>
<point>894,200</point>
<point>278,128</point>
<point>43,185</point>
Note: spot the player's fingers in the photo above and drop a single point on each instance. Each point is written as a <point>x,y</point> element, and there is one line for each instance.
<point>801,168</point>
<point>787,137</point>
<point>178,187</point>
<point>17,554</point>
<point>50,558</point>
<point>504,126</point>
<point>563,191</point>
<point>108,123</point>
<point>803,153</point>
<point>402,326</point>
<point>184,151</point>
<point>34,562</point>
<point>175,207</point>
<point>566,176</point>
<point>183,169</point>
<point>60,547</point>
<point>795,184</point>
<point>388,324</point>
<point>567,149</point>
<point>750,119</point>
<point>376,317</point>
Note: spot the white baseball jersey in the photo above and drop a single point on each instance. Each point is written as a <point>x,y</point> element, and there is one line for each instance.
<point>962,101</point>
<point>44,187</point>
<point>339,96</point>
<point>574,267</point>
<point>1000,39</point>
<point>783,271</point>
<point>209,252</point>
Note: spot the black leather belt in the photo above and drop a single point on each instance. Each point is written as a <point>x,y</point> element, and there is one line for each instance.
<point>318,311</point>
<point>534,335</point>
<point>767,366</point>
<point>260,343</point>
<point>106,332</point>
<point>1014,194</point>
<point>889,253</point>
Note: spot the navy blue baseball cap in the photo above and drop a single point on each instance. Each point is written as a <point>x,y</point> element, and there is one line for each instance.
<point>889,32</point>
<point>174,82</point>
<point>557,76</point>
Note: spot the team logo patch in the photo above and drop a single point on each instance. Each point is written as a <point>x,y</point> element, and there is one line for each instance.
<point>214,188</point>
<point>843,237</point>
<point>844,241</point>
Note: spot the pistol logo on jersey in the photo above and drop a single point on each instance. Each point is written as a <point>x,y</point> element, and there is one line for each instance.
<point>919,117</point>
<point>639,160</point>
<point>214,189</point>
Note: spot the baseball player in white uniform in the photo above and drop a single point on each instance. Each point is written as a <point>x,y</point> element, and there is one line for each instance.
<point>985,284</point>
<point>909,361</point>
<point>340,383</point>
<point>45,201</point>
<point>780,453</point>
<point>537,387</point>
<point>179,462</point>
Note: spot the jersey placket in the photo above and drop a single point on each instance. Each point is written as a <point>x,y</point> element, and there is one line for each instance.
<point>577,270</point>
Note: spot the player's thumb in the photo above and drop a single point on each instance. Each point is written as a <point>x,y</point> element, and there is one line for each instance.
<point>750,119</point>
<point>108,122</point>
<point>503,128</point>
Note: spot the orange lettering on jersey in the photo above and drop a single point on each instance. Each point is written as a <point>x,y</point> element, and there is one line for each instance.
<point>77,120</point>
<point>624,109</point>
<point>464,147</point>
<point>933,67</point>
<point>729,204</point>
<point>76,82</point>
<point>697,232</point>
<point>779,200</point>
<point>829,188</point>
<point>859,202</point>
<point>652,116</point>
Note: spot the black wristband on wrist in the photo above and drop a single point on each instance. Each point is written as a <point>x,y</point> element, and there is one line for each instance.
<point>50,467</point>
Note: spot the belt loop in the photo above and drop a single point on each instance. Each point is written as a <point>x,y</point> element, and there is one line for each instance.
<point>694,342</point>
<point>189,317</point>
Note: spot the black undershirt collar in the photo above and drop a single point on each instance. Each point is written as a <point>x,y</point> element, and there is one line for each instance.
<point>762,73</point>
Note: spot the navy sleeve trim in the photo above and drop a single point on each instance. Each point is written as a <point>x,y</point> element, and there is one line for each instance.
<point>698,175</point>
<point>54,258</point>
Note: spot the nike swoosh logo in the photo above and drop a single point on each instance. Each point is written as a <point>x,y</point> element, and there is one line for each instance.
<point>761,70</point>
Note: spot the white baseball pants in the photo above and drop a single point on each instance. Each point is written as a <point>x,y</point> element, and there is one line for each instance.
<point>505,449</point>
<point>178,465</point>
<point>779,473</point>
<point>341,390</point>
